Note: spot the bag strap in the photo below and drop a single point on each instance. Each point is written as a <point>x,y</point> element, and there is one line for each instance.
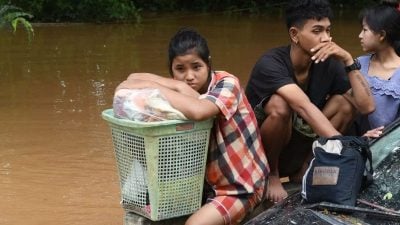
<point>369,169</point>
<point>368,177</point>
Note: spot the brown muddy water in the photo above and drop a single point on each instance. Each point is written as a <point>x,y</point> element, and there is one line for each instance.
<point>57,164</point>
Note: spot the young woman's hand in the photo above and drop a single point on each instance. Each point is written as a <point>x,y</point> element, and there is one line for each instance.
<point>136,84</point>
<point>374,133</point>
<point>167,82</point>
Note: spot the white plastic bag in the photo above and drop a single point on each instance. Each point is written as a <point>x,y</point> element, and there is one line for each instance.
<point>144,105</point>
<point>134,189</point>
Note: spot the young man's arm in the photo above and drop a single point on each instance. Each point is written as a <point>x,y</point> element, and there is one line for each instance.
<point>191,106</point>
<point>301,104</point>
<point>359,94</point>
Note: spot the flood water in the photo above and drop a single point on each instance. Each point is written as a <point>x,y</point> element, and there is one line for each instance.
<point>57,164</point>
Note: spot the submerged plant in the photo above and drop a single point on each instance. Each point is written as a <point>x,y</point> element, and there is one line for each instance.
<point>388,196</point>
<point>12,15</point>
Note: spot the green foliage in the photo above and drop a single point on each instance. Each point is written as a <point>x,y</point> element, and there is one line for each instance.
<point>131,10</point>
<point>81,10</point>
<point>206,5</point>
<point>13,16</point>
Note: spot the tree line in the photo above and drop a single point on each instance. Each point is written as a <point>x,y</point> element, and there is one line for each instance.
<point>133,10</point>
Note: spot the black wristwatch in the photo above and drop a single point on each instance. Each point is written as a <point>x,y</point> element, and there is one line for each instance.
<point>355,66</point>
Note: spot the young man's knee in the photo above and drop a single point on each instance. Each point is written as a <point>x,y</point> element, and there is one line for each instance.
<point>339,105</point>
<point>340,112</point>
<point>278,108</point>
<point>344,106</point>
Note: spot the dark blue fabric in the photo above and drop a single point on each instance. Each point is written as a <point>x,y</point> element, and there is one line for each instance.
<point>352,165</point>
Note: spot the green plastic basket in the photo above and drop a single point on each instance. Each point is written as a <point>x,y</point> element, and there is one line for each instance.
<point>161,165</point>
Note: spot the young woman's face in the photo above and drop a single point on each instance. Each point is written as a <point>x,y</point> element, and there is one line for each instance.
<point>191,69</point>
<point>368,38</point>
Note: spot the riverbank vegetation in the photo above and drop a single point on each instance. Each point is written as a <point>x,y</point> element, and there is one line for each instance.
<point>12,16</point>
<point>133,10</point>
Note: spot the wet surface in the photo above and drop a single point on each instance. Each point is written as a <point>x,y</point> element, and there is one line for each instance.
<point>378,204</point>
<point>385,191</point>
<point>57,164</point>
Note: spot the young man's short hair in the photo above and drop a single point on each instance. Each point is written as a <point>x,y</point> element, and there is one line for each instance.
<point>299,11</point>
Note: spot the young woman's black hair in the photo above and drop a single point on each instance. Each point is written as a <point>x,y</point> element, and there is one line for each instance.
<point>384,17</point>
<point>186,41</point>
